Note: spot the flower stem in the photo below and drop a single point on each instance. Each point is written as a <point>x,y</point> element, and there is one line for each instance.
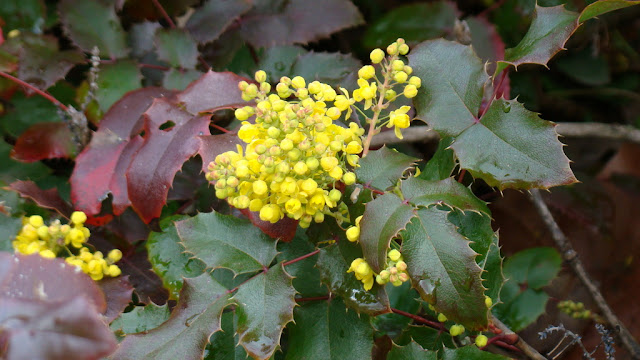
<point>301,257</point>
<point>376,113</point>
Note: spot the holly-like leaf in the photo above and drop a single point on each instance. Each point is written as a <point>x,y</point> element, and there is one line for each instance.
<point>264,307</point>
<point>550,29</point>
<point>140,319</point>
<point>604,6</point>
<point>223,345</point>
<point>117,293</point>
<point>414,23</point>
<point>470,352</point>
<point>523,299</point>
<point>49,140</point>
<point>176,79</point>
<point>176,47</point>
<point>48,199</point>
<point>448,192</point>
<point>168,259</point>
<point>520,150</point>
<point>214,17</point>
<point>189,328</point>
<point>329,68</point>
<point>403,298</point>
<point>333,268</point>
<point>383,168</point>
<point>306,277</point>
<point>10,218</point>
<point>328,330</point>
<point>383,219</point>
<point>15,120</point>
<point>223,241</point>
<point>115,80</point>
<point>11,170</point>
<point>298,22</point>
<point>148,285</point>
<point>442,164</point>
<point>442,268</point>
<point>428,338</point>
<point>278,61</point>
<point>212,91</point>
<point>57,330</point>
<point>93,23</point>
<point>411,351</point>
<point>23,15</point>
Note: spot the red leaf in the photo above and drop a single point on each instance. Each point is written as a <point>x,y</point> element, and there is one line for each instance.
<point>147,284</point>
<point>101,166</point>
<point>284,230</point>
<point>214,145</point>
<point>48,199</point>
<point>213,91</point>
<point>118,295</point>
<point>44,141</point>
<point>36,278</point>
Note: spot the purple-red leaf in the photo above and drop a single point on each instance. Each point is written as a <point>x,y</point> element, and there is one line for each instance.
<point>213,145</point>
<point>214,17</point>
<point>44,141</point>
<point>118,295</point>
<point>283,230</point>
<point>212,91</point>
<point>48,199</point>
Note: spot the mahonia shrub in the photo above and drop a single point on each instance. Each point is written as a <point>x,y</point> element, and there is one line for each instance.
<point>266,215</point>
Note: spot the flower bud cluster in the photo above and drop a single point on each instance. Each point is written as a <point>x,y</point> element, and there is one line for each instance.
<point>574,309</point>
<point>50,240</point>
<point>396,271</point>
<point>294,153</point>
<point>363,272</point>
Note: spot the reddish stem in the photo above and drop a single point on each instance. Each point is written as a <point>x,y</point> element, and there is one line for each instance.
<point>219,128</point>
<point>35,89</point>
<point>317,298</point>
<point>153,66</point>
<point>491,8</point>
<point>373,190</point>
<point>461,176</point>
<point>164,14</point>
<point>433,324</point>
<point>301,257</point>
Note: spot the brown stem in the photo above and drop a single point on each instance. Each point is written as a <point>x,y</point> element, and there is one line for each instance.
<point>433,324</point>
<point>301,258</point>
<point>520,344</point>
<point>376,113</point>
<point>571,257</point>
<point>44,94</point>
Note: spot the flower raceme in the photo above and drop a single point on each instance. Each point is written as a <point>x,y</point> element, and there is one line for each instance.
<point>51,240</point>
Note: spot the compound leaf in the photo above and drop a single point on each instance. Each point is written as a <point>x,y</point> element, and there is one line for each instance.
<point>443,269</point>
<point>448,192</point>
<point>115,80</point>
<point>141,319</point>
<point>264,307</point>
<point>328,330</point>
<point>442,164</point>
<point>176,47</point>
<point>224,241</point>
<point>383,168</point>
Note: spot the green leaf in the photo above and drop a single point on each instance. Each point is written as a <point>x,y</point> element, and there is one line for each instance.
<point>519,150</point>
<point>442,164</point>
<point>333,268</point>
<point>115,80</point>
<point>306,277</point>
<point>470,352</point>
<point>15,121</point>
<point>23,15</point>
<point>168,259</point>
<point>585,67</point>
<point>383,168</point>
<point>140,319</point>
<point>93,23</point>
<point>177,79</point>
<point>429,338</point>
<point>214,17</point>
<point>484,241</point>
<point>176,47</point>
<point>549,31</point>
<point>10,217</point>
<point>453,78</point>
<point>223,241</point>
<point>223,345</point>
<point>329,68</point>
<point>328,330</point>
<point>189,328</point>
<point>403,298</point>
<point>442,268</point>
<point>411,351</point>
<point>523,299</point>
<point>278,61</point>
<point>448,192</point>
<point>604,6</point>
<point>11,170</point>
<point>383,219</point>
<point>414,23</point>
<point>264,307</point>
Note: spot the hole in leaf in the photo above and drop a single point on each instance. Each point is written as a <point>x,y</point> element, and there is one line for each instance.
<point>167,125</point>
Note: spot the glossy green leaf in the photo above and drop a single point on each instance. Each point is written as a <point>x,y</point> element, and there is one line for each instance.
<point>306,277</point>
<point>383,219</point>
<point>264,307</point>
<point>176,47</point>
<point>449,101</point>
<point>429,338</point>
<point>333,266</point>
<point>585,67</point>
<point>214,17</point>
<point>278,61</point>
<point>10,217</point>
<point>383,168</point>
<point>403,298</point>
<point>411,351</point>
<point>448,192</point>
<point>11,170</point>
<point>414,23</point>
<point>519,150</point>
<point>443,269</point>
<point>442,164</point>
<point>24,15</point>
<point>223,345</point>
<point>189,328</point>
<point>604,6</point>
<point>115,80</point>
<point>176,79</point>
<point>329,68</point>
<point>470,352</point>
<point>15,121</point>
<point>140,319</point>
<point>226,241</point>
<point>327,330</point>
<point>523,299</point>
<point>550,29</point>
<point>93,23</point>
<point>168,259</point>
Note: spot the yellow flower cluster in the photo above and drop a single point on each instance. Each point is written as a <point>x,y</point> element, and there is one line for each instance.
<point>363,272</point>
<point>353,232</point>
<point>574,309</point>
<point>396,271</point>
<point>294,153</point>
<point>49,241</point>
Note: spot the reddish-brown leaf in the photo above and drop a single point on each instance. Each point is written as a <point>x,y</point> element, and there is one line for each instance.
<point>48,199</point>
<point>213,91</point>
<point>283,230</point>
<point>118,295</point>
<point>44,141</point>
<point>213,145</point>
<point>147,284</point>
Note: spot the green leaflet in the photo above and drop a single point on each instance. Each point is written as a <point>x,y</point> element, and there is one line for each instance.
<point>327,330</point>
<point>176,47</point>
<point>443,269</point>
<point>140,319</point>
<point>448,192</point>
<point>383,167</point>
<point>442,164</point>
<point>411,351</point>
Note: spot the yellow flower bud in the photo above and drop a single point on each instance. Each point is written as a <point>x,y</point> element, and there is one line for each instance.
<point>309,186</point>
<point>353,148</point>
<point>114,271</point>
<point>298,82</point>
<point>403,49</point>
<point>442,317</point>
<point>392,49</point>
<point>376,56</point>
<point>349,178</point>
<point>336,173</point>
<point>261,76</point>
<point>241,114</point>
<point>366,72</point>
<point>400,77</point>
<point>481,341</point>
<point>328,163</point>
<point>397,65</point>
<point>335,195</point>
<point>353,233</point>
<point>312,163</point>
<point>78,217</point>
<point>36,221</point>
<point>255,205</point>
<point>394,255</point>
<point>488,301</point>
<point>410,91</point>
<point>415,81</point>
<point>114,255</point>
<point>47,254</point>
<point>260,187</point>
<point>300,168</point>
<point>456,330</point>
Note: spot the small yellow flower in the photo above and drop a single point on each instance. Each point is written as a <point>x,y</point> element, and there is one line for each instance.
<point>399,120</point>
<point>376,56</point>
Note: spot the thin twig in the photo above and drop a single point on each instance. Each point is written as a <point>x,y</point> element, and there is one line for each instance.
<point>44,94</point>
<point>520,344</point>
<point>433,324</point>
<point>301,257</point>
<point>571,257</point>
